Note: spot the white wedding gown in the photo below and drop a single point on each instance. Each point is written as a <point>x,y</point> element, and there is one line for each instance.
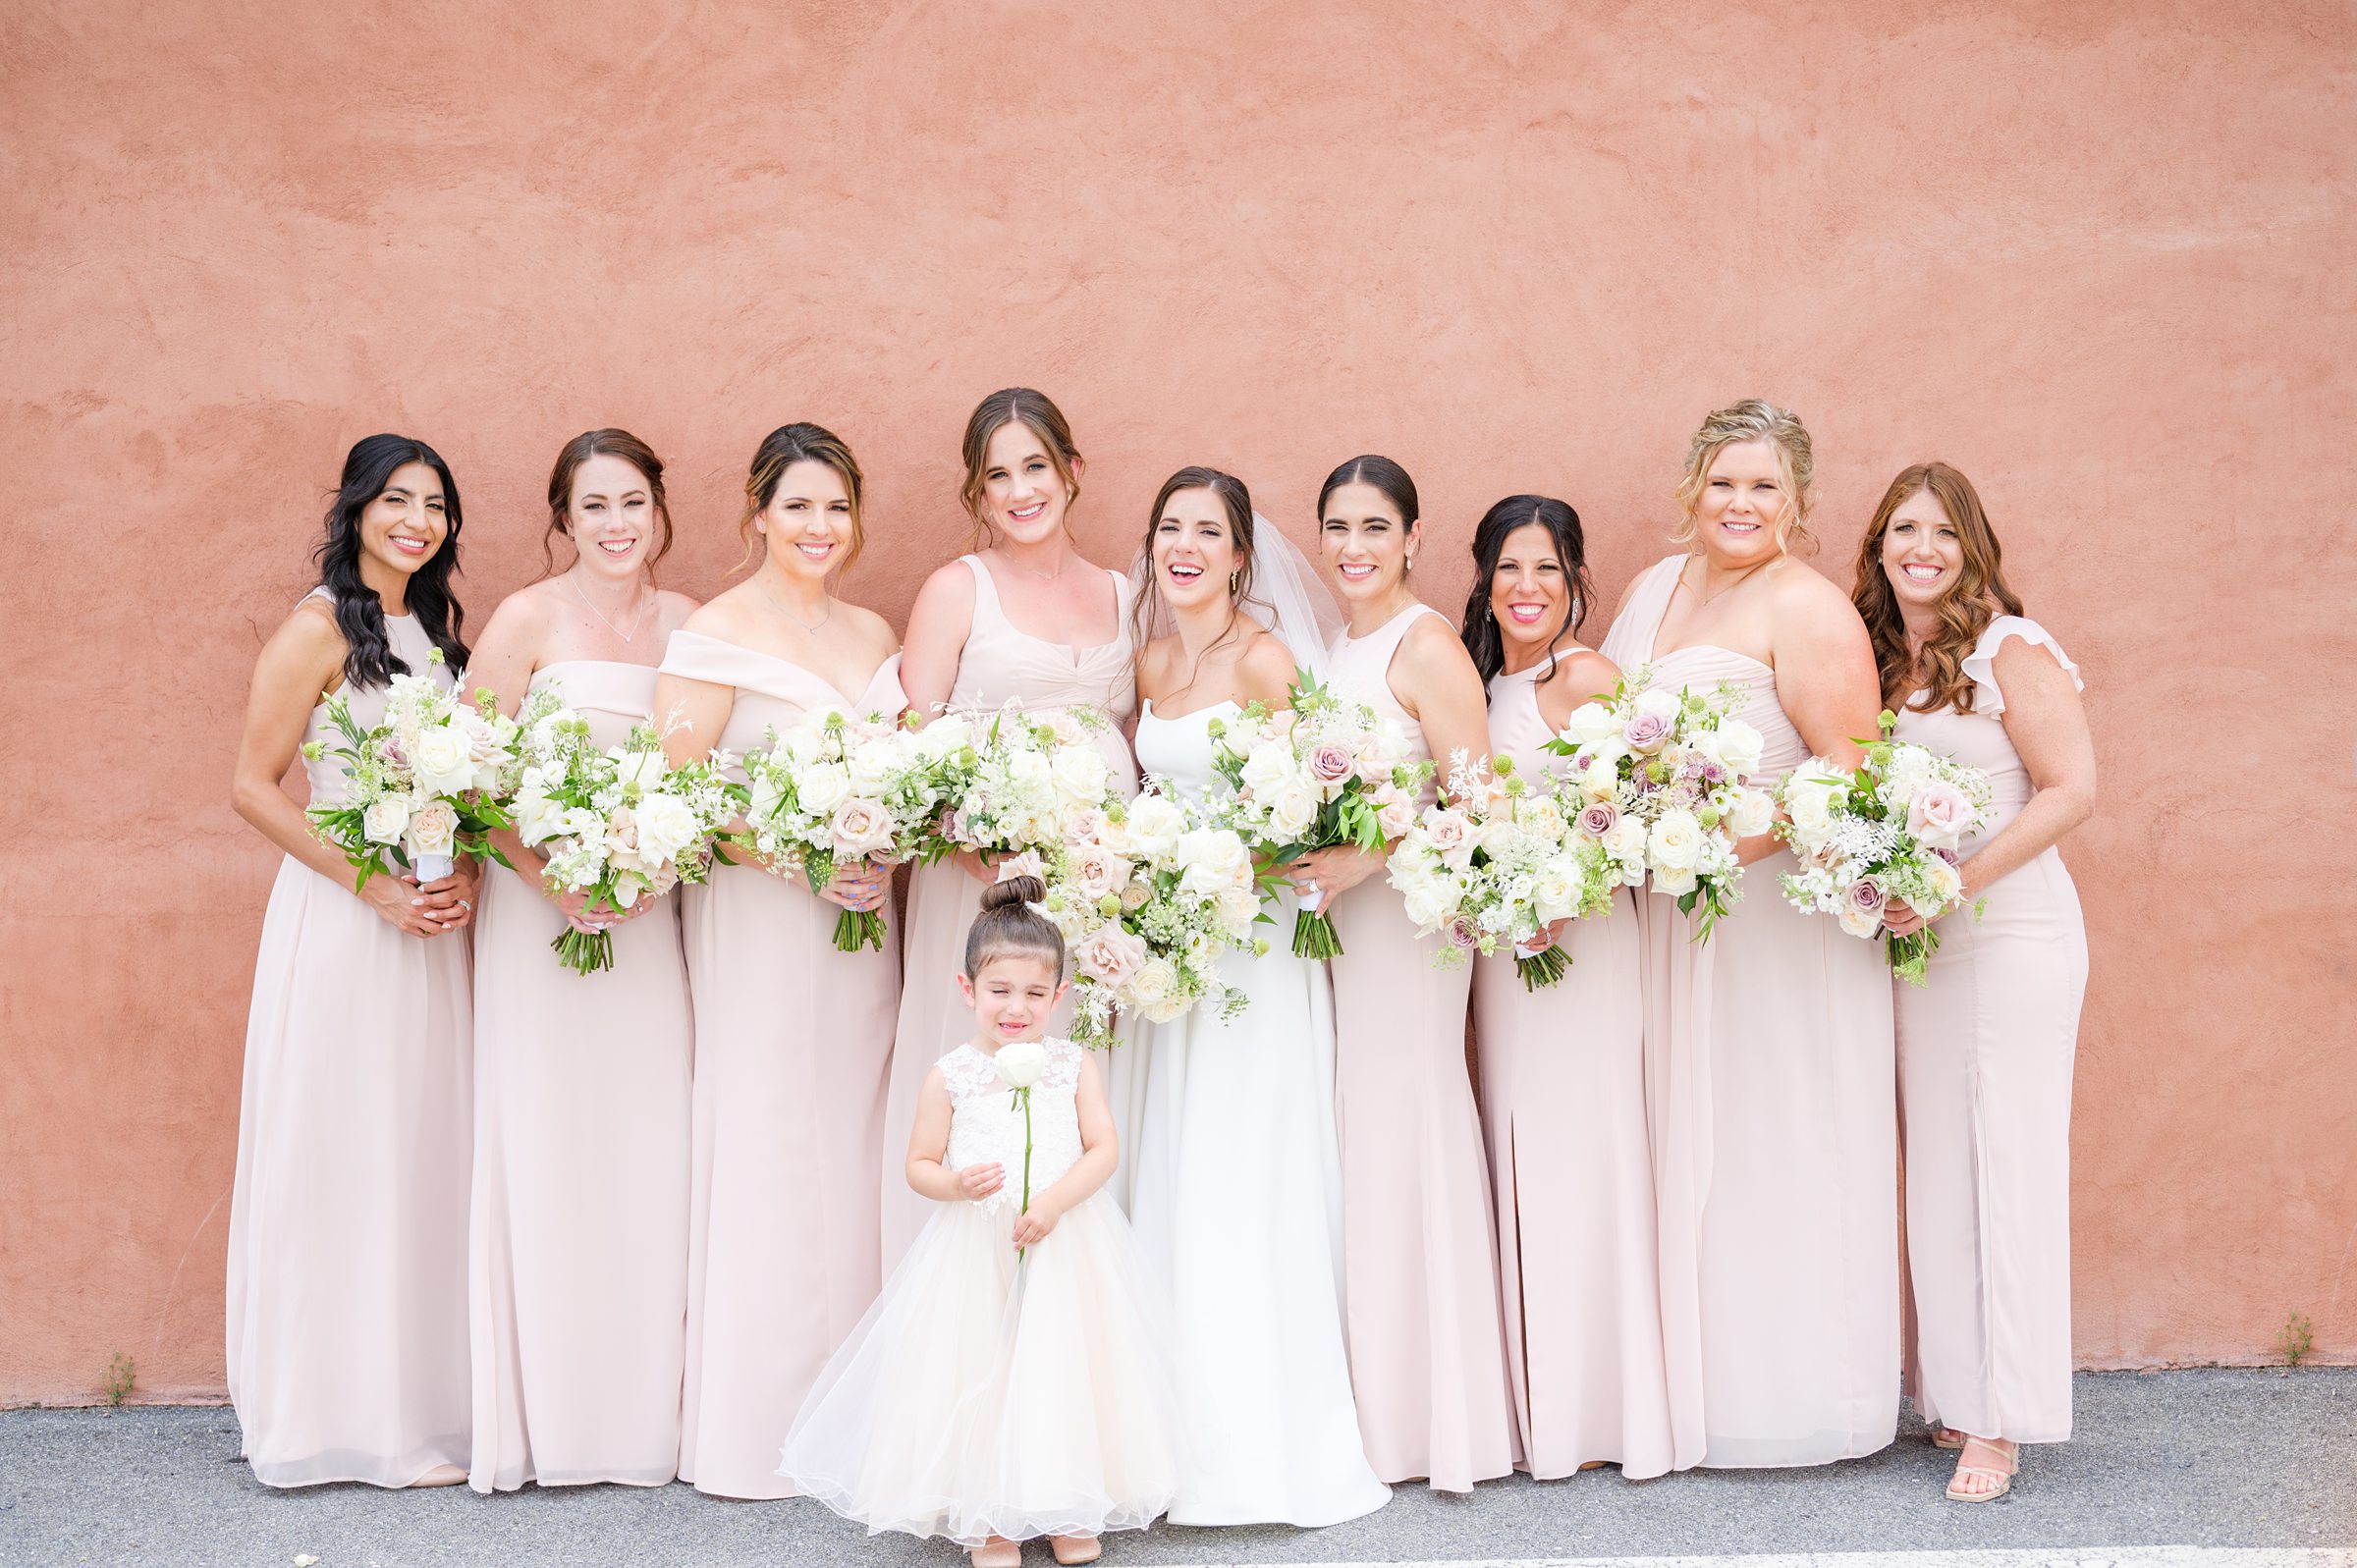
<point>1236,1199</point>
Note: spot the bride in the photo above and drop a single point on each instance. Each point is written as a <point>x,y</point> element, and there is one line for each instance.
<point>1236,1183</point>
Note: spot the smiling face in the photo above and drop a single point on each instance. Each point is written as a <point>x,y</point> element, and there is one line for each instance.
<point>1923,552</point>
<point>809,519</point>
<point>1194,550</point>
<point>1023,495</point>
<point>612,516</point>
<point>403,527</point>
<point>1013,995</point>
<point>1530,593</point>
<point>1745,507</point>
<point>1364,542</point>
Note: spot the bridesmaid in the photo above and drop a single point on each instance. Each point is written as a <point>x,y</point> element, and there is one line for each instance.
<point>1985,1049</point>
<point>577,1267</point>
<point>1237,1196</point>
<point>1768,1051</point>
<point>348,1226</point>
<point>1023,618</point>
<point>792,1036</point>
<point>1563,1069</point>
<point>1427,1342</point>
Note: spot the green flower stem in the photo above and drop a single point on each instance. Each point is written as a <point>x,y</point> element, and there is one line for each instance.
<point>1542,968</point>
<point>585,953</point>
<point>855,929</point>
<point>1314,935</point>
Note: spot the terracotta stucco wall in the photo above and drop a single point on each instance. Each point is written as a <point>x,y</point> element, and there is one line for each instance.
<point>2097,256</point>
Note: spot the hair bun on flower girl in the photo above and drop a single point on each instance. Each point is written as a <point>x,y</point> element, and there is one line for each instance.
<point>1009,927</point>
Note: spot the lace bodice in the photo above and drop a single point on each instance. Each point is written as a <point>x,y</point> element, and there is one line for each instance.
<point>1178,750</point>
<point>986,1121</point>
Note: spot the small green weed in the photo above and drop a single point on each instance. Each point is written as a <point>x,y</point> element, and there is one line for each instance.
<point>2296,1339</point>
<point>122,1376</point>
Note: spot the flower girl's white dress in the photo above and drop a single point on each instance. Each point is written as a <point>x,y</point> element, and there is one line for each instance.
<point>986,1395</point>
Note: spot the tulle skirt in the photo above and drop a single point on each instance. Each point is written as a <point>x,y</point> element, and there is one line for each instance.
<point>985,1396</point>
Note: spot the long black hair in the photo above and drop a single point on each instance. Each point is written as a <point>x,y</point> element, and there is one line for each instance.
<point>1480,629</point>
<point>368,658</point>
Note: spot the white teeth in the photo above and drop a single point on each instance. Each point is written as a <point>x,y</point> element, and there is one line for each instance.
<point>618,547</point>
<point>1027,514</point>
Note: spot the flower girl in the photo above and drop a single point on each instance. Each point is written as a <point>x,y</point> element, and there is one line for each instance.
<point>1009,1381</point>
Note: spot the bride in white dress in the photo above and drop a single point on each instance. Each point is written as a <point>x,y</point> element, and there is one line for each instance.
<point>1236,1185</point>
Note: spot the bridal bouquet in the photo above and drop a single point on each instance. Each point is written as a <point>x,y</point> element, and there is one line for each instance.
<point>1885,832</point>
<point>1663,780</point>
<point>834,788</point>
<point>1011,782</point>
<point>1149,898</point>
<point>1497,863</point>
<point>1322,773</point>
<point>619,823</point>
<point>424,784</point>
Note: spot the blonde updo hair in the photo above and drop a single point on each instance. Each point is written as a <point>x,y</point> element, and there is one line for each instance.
<point>1753,419</point>
<point>1010,928</point>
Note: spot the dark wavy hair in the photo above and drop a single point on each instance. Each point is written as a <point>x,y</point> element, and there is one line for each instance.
<point>369,656</point>
<point>1971,601</point>
<point>1237,502</point>
<point>1385,475</point>
<point>1480,633</point>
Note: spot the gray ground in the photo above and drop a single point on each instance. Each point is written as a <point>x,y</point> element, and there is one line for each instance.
<point>2212,1458</point>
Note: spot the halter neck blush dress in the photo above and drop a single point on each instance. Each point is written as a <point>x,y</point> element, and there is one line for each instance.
<point>577,1245</point>
<point>1769,1080</point>
<point>792,1041</point>
<point>1427,1341</point>
<point>1237,1198</point>
<point>1563,1100</point>
<point>346,1280</point>
<point>1985,1056</point>
<point>998,666</point>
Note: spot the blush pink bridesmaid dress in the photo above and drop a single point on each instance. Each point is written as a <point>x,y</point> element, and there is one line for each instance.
<point>579,1238</point>
<point>1420,1260</point>
<point>1563,1101</point>
<point>1985,1058</point>
<point>792,1040</point>
<point>1770,1090</point>
<point>999,665</point>
<point>347,1322</point>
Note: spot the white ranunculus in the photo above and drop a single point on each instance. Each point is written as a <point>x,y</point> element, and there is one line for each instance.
<point>441,761</point>
<point>386,818</point>
<point>1754,814</point>
<point>1020,1063</point>
<point>667,827</point>
<point>822,787</point>
<point>1675,843</point>
<point>1590,723</point>
<point>433,830</point>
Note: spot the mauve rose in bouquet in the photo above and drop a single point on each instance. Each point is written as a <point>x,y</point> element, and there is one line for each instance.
<point>1321,773</point>
<point>1496,864</point>
<point>1149,898</point>
<point>1663,780</point>
<point>1886,832</point>
<point>424,786</point>
<point>834,788</point>
<point>620,823</point>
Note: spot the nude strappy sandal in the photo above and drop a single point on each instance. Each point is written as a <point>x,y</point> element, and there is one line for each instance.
<point>1949,1437</point>
<point>997,1552</point>
<point>2003,1478</point>
<point>1072,1550</point>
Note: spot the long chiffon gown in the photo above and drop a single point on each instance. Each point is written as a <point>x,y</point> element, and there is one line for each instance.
<point>1770,1089</point>
<point>577,1249</point>
<point>1237,1204</point>
<point>991,1393</point>
<point>1427,1341</point>
<point>347,1322</point>
<point>1985,1058</point>
<point>792,1037</point>
<point>1563,1101</point>
<point>999,665</point>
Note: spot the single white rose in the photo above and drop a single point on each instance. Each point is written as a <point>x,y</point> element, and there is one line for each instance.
<point>1081,774</point>
<point>433,830</point>
<point>1020,1062</point>
<point>1624,840</point>
<point>667,828</point>
<point>1032,776</point>
<point>1553,891</point>
<point>1151,827</point>
<point>537,817</point>
<point>1238,910</point>
<point>1740,748</point>
<point>1156,983</point>
<point>441,761</point>
<point>1602,776</point>
<point>1268,765</point>
<point>1215,861</point>
<point>1590,723</point>
<point>386,819</point>
<point>1858,921</point>
<point>1754,814</point>
<point>1675,843</point>
<point>1429,901</point>
<point>860,828</point>
<point>822,787</point>
<point>1675,881</point>
<point>1293,807</point>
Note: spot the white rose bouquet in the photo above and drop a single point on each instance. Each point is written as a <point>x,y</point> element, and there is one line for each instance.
<point>834,788</point>
<point>1011,782</point>
<point>1663,780</point>
<point>1497,864</point>
<point>1888,831</point>
<point>425,784</point>
<point>1322,773</point>
<point>1148,902</point>
<point>619,823</point>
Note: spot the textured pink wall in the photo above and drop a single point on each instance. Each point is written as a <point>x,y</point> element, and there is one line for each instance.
<point>2096,256</point>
